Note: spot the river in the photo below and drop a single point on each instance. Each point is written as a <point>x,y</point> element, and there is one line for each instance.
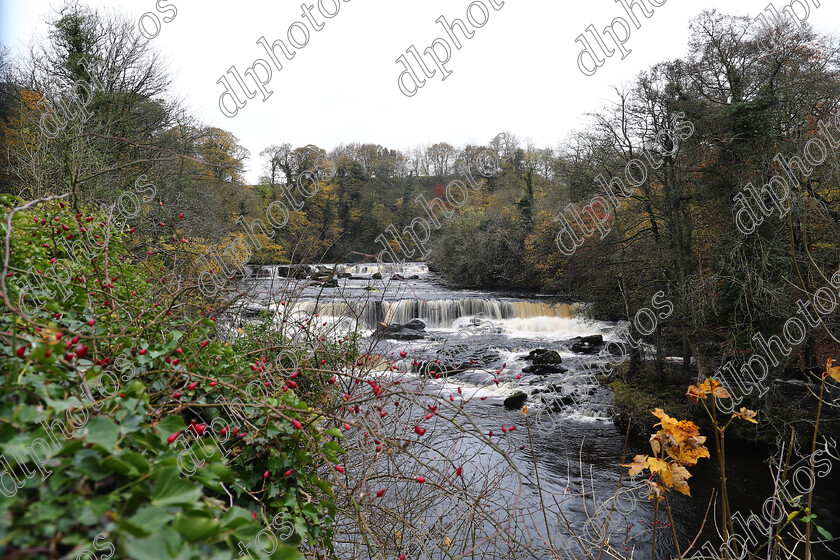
<point>576,450</point>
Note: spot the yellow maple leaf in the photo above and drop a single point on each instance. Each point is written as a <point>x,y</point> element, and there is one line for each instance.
<point>638,464</point>
<point>661,468</point>
<point>679,475</point>
<point>832,370</point>
<point>655,491</point>
<point>688,455</point>
<point>654,444</point>
<point>746,414</point>
<point>708,387</point>
<point>694,393</point>
<point>665,421</point>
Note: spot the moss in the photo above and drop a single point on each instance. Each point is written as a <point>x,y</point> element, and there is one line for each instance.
<point>635,397</point>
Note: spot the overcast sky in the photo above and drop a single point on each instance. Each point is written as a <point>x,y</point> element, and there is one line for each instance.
<point>518,72</point>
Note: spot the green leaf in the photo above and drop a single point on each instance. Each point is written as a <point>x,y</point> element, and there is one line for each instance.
<point>171,490</point>
<point>119,466</point>
<point>826,535</point>
<point>196,525</point>
<point>237,517</point>
<point>136,460</point>
<point>148,520</point>
<point>150,548</point>
<point>103,431</point>
<point>170,425</point>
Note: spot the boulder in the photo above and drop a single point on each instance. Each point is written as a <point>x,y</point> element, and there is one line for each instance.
<point>541,356</point>
<point>515,401</point>
<point>562,402</point>
<point>546,369</point>
<point>587,344</point>
<point>413,330</point>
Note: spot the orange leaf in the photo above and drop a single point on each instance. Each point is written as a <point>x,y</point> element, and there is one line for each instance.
<point>639,463</point>
<point>832,370</point>
<point>748,415</point>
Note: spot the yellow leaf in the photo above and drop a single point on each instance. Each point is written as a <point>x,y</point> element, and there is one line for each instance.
<point>694,393</point>
<point>639,463</point>
<point>680,475</point>
<point>655,491</point>
<point>665,421</point>
<point>654,444</point>
<point>525,410</point>
<point>745,414</point>
<point>832,370</point>
<point>661,468</point>
<point>708,387</point>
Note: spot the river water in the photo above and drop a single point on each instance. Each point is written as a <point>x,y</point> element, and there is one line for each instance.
<point>574,447</point>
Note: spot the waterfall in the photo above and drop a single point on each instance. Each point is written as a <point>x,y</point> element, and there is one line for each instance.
<point>275,271</point>
<point>443,313</point>
<point>436,313</point>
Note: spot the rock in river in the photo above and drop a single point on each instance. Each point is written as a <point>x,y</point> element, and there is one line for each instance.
<point>515,401</point>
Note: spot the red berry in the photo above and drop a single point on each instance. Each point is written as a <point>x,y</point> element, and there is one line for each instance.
<point>403,354</point>
<point>380,493</point>
<point>92,322</point>
<point>265,474</point>
<point>419,431</point>
<point>254,515</point>
<point>192,385</point>
<point>81,351</point>
<point>421,480</point>
<point>459,471</point>
<point>339,468</point>
<point>289,472</point>
<point>205,343</point>
<point>176,395</point>
<point>142,351</point>
<point>297,424</point>
<point>179,351</point>
<point>213,383</point>
<point>173,437</point>
<point>291,384</point>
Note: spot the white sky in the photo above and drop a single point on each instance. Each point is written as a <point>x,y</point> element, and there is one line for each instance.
<point>518,72</point>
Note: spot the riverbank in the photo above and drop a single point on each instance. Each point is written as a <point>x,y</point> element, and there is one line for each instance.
<point>787,404</point>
